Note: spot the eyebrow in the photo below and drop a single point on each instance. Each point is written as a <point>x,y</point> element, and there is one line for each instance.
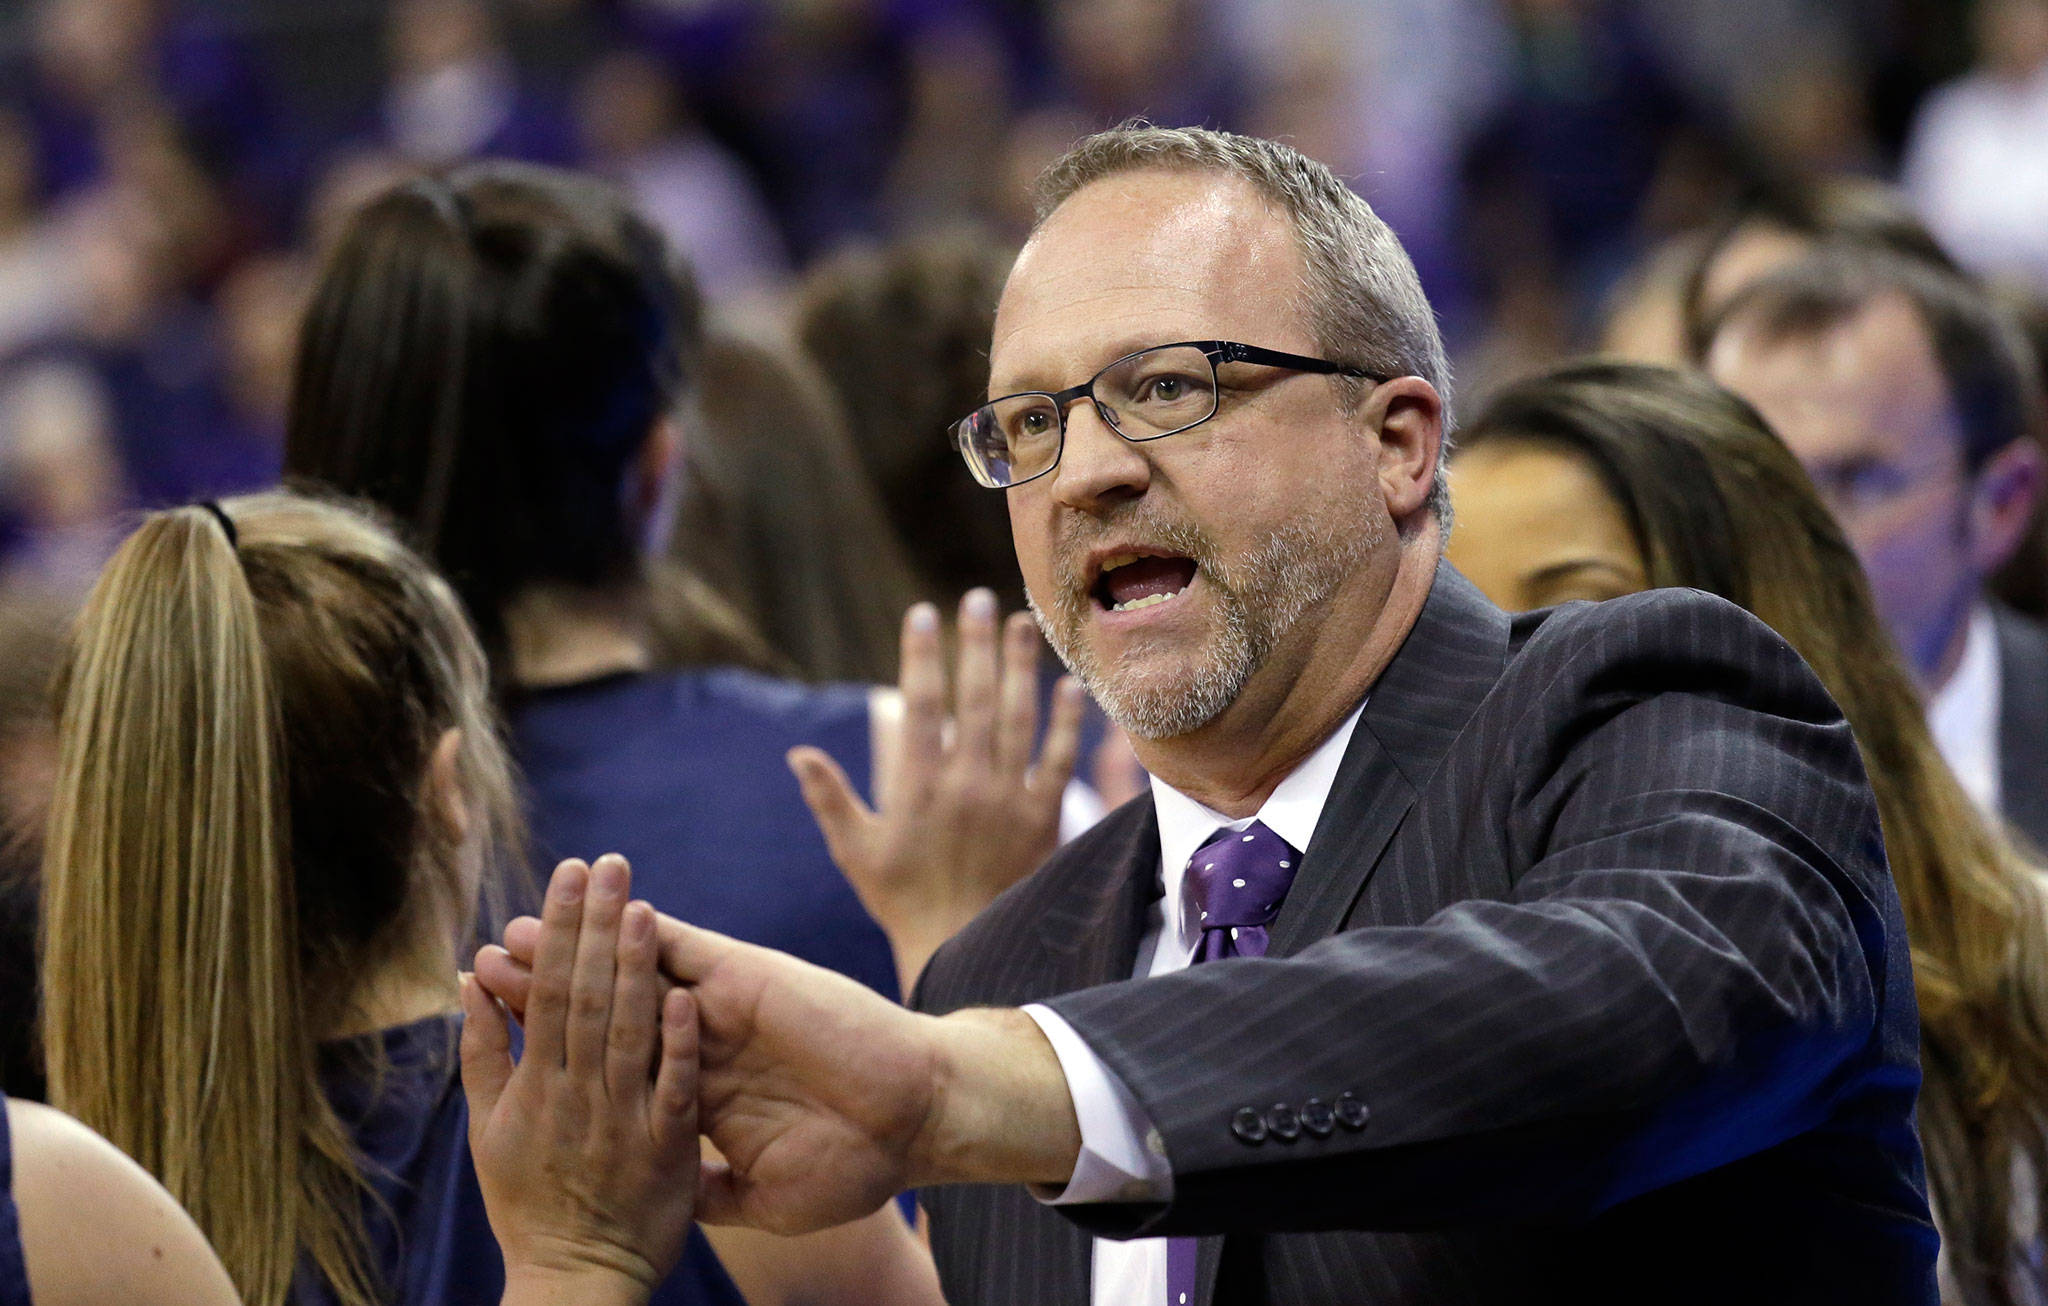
<point>1560,570</point>
<point>1123,348</point>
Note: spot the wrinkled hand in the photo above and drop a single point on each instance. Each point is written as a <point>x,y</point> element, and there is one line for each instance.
<point>826,1099</point>
<point>964,809</point>
<point>587,1148</point>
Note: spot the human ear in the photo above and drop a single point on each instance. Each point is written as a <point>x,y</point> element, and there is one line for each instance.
<point>655,465</point>
<point>442,797</point>
<point>2003,496</point>
<point>1409,415</point>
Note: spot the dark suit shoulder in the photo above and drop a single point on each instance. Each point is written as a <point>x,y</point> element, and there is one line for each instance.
<point>1656,641</point>
<point>1002,956</point>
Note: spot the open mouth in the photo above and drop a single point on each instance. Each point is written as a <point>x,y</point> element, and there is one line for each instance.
<point>1130,581</point>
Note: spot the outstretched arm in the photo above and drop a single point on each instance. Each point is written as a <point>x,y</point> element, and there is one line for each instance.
<point>827,1099</point>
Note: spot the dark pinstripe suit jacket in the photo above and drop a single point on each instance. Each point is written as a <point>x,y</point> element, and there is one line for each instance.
<point>1596,925</point>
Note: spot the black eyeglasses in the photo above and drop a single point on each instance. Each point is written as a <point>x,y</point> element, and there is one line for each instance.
<point>1155,392</point>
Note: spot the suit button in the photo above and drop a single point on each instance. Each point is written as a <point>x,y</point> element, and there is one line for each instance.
<point>1249,1126</point>
<point>1283,1122</point>
<point>1317,1117</point>
<point>1350,1112</point>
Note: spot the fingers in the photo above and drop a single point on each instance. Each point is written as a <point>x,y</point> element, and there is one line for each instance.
<point>923,682</point>
<point>1018,732</point>
<point>833,801</point>
<point>673,1114</point>
<point>486,1050</point>
<point>1062,738</point>
<point>596,966</point>
<point>547,1008</point>
<point>975,683</point>
<point>635,1010</point>
<point>522,938</point>
<point>504,978</point>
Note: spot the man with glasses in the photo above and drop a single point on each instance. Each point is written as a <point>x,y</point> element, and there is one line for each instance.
<point>1913,404</point>
<point>1450,959</point>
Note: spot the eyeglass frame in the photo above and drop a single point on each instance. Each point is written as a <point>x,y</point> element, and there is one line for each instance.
<point>1218,353</point>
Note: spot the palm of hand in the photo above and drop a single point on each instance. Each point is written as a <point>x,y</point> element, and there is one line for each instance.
<point>816,1089</point>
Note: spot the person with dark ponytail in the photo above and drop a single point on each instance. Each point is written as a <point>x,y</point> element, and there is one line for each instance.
<point>503,359</point>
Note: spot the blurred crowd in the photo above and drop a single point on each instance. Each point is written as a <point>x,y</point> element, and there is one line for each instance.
<point>169,169</point>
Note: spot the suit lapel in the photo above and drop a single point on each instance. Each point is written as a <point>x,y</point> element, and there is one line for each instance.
<point>1447,665</point>
<point>1093,934</point>
<point>1092,938</point>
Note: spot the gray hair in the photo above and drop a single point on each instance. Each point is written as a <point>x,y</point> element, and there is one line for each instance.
<point>1359,291</point>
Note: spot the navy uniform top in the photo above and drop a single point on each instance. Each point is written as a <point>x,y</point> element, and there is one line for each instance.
<point>683,773</point>
<point>13,1265</point>
<point>430,1242</point>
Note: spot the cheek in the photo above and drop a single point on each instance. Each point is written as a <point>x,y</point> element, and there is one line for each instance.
<point>1031,533</point>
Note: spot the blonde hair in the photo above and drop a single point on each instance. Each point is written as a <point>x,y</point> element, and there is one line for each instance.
<point>1717,502</point>
<point>237,838</point>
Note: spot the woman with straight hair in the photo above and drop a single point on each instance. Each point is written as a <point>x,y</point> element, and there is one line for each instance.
<point>506,359</point>
<point>1601,479</point>
<point>280,797</point>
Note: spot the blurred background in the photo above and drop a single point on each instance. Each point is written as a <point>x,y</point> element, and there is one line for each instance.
<point>169,170</point>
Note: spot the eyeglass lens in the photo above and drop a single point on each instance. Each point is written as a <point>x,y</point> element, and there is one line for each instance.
<point>1145,396</point>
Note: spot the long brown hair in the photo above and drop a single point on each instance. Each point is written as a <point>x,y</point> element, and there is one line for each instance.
<point>1976,909</point>
<point>239,838</point>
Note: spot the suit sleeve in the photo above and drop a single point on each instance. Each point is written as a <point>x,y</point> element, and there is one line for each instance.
<point>1687,969</point>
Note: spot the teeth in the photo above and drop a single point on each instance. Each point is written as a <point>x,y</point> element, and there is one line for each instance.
<point>1120,560</point>
<point>1149,601</point>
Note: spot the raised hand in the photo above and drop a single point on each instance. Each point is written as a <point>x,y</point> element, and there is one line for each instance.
<point>586,1149</point>
<point>826,1099</point>
<point>964,809</point>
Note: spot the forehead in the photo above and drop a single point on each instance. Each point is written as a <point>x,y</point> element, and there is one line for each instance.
<point>1144,258</point>
<point>1868,385</point>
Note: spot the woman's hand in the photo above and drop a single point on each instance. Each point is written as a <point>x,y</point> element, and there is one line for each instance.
<point>964,809</point>
<point>587,1148</point>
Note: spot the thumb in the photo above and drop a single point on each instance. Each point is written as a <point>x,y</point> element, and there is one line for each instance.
<point>833,801</point>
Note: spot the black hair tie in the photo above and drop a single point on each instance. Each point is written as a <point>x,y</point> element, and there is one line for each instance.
<point>227,523</point>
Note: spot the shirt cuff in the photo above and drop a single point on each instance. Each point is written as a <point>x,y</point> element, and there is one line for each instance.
<point>1122,1156</point>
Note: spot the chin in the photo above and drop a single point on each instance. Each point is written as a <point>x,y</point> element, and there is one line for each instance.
<point>1167,702</point>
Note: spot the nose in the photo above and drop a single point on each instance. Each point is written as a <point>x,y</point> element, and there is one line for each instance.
<point>1098,468</point>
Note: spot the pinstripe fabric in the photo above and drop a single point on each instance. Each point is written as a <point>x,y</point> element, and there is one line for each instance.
<point>1596,923</point>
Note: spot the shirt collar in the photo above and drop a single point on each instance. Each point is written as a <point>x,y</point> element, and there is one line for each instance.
<point>1963,714</point>
<point>1291,812</point>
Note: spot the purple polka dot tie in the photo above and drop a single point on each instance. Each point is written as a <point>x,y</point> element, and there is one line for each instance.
<point>1233,889</point>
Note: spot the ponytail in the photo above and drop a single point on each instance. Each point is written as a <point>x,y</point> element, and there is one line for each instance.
<point>171,952</point>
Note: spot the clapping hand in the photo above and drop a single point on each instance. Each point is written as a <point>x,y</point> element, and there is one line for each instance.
<point>825,1099</point>
<point>587,1147</point>
<point>964,808</point>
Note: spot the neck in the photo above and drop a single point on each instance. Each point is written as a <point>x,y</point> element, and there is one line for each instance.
<point>558,635</point>
<point>1293,703</point>
<point>417,981</point>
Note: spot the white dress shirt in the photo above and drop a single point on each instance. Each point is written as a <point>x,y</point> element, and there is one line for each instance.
<point>1122,1157</point>
<point>1963,716</point>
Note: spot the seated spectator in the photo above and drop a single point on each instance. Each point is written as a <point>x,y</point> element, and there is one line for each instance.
<point>1602,479</point>
<point>1912,401</point>
<point>1973,160</point>
<point>1779,221</point>
<point>778,515</point>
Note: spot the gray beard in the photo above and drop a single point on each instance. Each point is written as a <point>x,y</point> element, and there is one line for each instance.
<point>1260,595</point>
